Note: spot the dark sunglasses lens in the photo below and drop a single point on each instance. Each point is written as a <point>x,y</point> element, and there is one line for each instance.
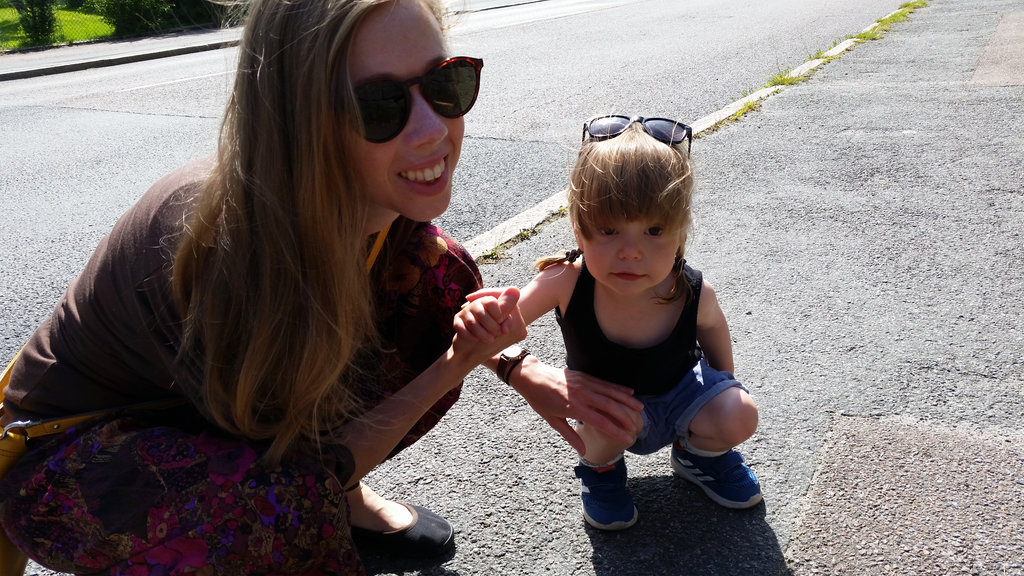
<point>452,87</point>
<point>607,126</point>
<point>667,131</point>
<point>384,107</point>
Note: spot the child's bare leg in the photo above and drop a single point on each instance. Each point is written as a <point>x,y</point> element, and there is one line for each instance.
<point>727,420</point>
<point>707,458</point>
<point>607,503</point>
<point>600,448</point>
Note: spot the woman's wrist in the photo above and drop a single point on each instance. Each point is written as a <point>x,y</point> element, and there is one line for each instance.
<point>523,365</point>
<point>456,366</point>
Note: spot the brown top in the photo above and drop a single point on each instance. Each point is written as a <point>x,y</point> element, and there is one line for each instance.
<point>112,340</point>
<point>113,337</point>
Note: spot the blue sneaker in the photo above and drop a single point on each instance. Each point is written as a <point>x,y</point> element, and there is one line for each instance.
<point>607,503</point>
<point>725,479</point>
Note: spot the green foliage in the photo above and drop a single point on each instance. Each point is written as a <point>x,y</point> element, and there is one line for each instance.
<point>911,6</point>
<point>193,12</point>
<point>10,30</point>
<point>746,109</point>
<point>134,17</point>
<point>784,78</point>
<point>39,21</point>
<point>883,25</point>
<point>77,26</point>
<point>83,6</point>
<point>71,27</point>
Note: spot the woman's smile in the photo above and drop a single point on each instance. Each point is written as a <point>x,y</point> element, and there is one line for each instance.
<point>427,175</point>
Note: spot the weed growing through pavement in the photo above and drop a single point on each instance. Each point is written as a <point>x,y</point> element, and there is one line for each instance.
<point>748,107</point>
<point>498,252</point>
<point>785,78</point>
<point>883,25</point>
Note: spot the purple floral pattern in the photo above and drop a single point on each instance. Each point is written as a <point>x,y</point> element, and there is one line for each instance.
<point>122,496</point>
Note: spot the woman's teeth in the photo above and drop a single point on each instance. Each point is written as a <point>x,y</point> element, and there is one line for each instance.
<point>428,175</point>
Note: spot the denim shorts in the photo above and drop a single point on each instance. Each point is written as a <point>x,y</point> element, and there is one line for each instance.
<point>667,416</point>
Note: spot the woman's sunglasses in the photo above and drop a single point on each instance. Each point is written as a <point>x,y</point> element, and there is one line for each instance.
<point>664,130</point>
<point>450,88</point>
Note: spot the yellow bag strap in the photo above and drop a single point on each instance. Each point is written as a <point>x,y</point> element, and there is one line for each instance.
<point>37,428</point>
<point>34,429</point>
<point>378,243</point>
<point>6,376</point>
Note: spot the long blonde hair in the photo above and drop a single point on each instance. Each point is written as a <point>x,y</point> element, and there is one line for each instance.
<point>270,277</point>
<point>629,177</point>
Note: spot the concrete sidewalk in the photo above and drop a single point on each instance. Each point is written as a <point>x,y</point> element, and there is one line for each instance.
<point>32,63</point>
<point>70,58</point>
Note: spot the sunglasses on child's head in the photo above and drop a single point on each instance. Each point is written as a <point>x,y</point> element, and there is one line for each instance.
<point>450,87</point>
<point>670,132</point>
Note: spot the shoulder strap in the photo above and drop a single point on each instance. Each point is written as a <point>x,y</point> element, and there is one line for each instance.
<point>378,243</point>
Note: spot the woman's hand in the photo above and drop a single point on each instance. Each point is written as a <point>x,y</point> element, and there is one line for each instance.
<point>558,395</point>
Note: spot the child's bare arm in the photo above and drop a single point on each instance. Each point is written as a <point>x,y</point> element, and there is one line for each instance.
<point>549,289</point>
<point>713,330</point>
<point>558,395</point>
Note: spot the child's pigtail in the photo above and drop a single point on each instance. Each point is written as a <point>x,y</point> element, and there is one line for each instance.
<point>550,261</point>
<point>680,286</point>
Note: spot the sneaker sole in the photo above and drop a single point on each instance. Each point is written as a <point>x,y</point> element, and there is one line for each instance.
<point>683,472</point>
<point>621,525</point>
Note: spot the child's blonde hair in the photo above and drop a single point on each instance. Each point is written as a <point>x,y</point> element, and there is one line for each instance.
<point>629,177</point>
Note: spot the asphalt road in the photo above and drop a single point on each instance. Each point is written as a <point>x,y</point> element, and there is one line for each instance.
<point>863,231</point>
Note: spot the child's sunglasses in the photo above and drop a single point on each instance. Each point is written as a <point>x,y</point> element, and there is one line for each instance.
<point>670,132</point>
<point>450,87</point>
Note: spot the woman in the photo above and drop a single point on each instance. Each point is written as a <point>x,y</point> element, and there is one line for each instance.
<point>247,286</point>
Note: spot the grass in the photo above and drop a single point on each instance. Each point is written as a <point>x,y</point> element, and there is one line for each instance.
<point>71,27</point>
<point>746,109</point>
<point>883,25</point>
<point>784,78</point>
<point>498,252</point>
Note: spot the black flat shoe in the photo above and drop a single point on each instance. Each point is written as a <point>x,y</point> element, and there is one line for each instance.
<point>428,536</point>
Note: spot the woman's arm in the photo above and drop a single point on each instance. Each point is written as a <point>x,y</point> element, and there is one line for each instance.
<point>372,436</point>
<point>713,330</point>
<point>558,395</point>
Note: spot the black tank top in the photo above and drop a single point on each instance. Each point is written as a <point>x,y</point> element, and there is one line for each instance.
<point>648,371</point>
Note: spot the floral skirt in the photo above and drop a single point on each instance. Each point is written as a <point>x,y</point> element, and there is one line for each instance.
<point>118,496</point>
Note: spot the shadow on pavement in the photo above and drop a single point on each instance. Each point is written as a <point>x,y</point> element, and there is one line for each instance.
<point>681,531</point>
<point>376,564</point>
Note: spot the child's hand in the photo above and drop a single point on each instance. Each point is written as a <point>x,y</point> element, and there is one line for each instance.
<point>486,315</point>
<point>487,325</point>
